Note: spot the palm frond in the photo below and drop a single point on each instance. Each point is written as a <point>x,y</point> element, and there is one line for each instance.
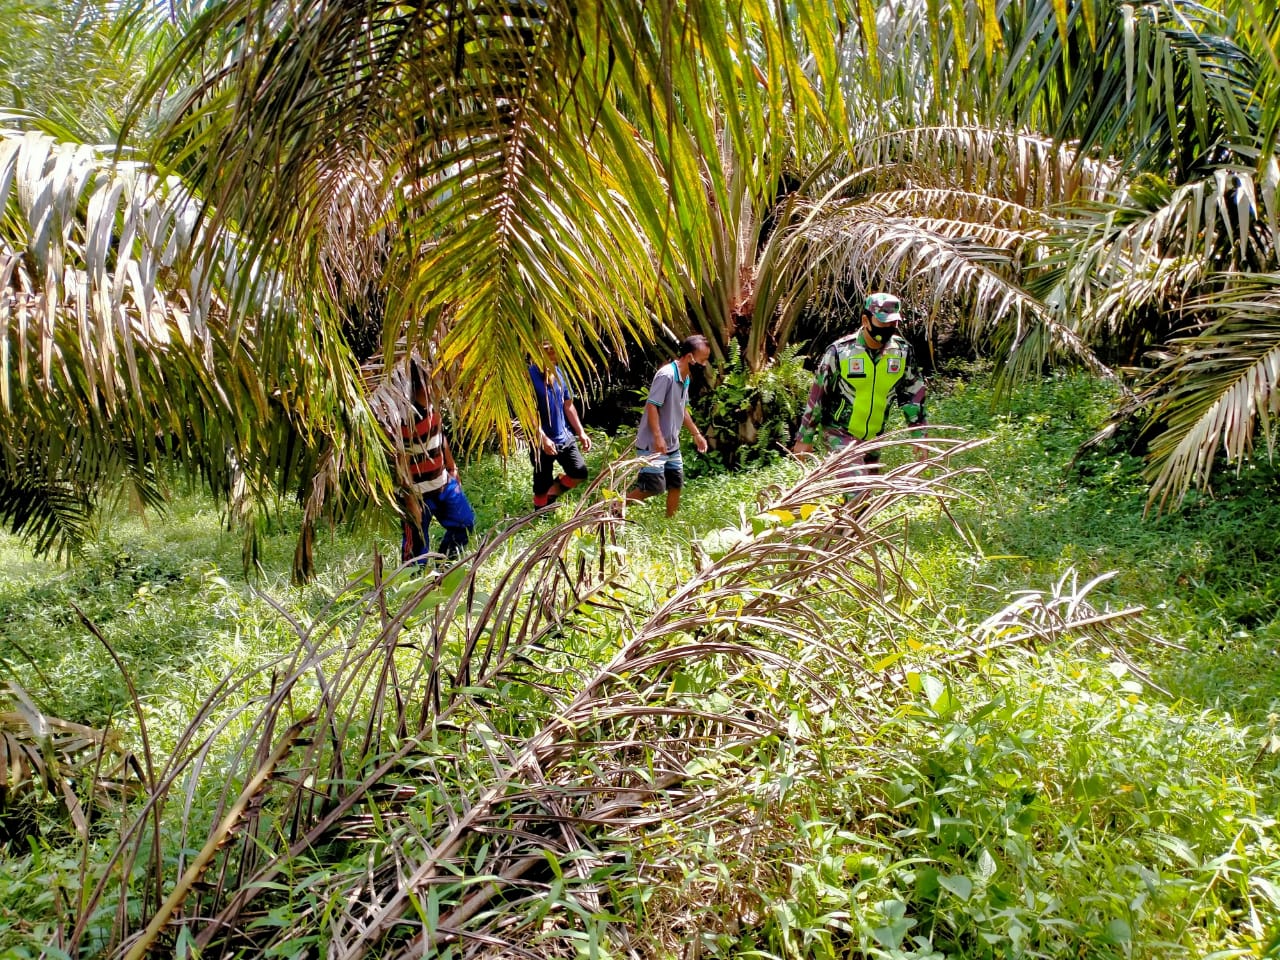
<point>1118,81</point>
<point>119,342</point>
<point>610,754</point>
<point>83,767</point>
<point>51,505</point>
<point>935,270</point>
<point>970,206</point>
<point>1124,307</point>
<point>1019,166</point>
<point>1219,389</point>
<point>1129,270</point>
<point>537,159</point>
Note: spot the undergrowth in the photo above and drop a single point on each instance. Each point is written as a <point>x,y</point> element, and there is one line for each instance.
<point>950,767</point>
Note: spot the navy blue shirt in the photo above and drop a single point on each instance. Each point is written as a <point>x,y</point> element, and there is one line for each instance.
<point>551,398</point>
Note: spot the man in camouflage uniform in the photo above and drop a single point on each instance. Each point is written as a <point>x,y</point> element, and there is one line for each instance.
<point>858,379</point>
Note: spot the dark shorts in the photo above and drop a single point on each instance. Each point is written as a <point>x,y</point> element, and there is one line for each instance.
<point>567,455</point>
<point>663,472</point>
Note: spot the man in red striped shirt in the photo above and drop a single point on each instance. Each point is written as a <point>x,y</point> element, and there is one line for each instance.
<point>430,488</point>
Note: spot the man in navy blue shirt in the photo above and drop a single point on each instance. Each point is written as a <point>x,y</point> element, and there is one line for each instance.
<point>559,432</point>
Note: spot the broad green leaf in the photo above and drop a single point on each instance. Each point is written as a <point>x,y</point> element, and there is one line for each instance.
<point>957,885</point>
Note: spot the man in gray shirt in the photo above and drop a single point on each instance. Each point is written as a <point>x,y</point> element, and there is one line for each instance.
<point>665,412</point>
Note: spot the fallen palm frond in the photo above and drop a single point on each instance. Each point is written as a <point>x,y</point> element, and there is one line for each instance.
<point>476,761</point>
<point>84,767</point>
<point>1036,617</point>
<point>435,686</point>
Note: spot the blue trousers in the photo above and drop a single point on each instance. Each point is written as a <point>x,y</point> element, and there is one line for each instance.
<point>451,508</point>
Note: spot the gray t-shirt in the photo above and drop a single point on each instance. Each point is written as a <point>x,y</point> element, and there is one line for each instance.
<point>669,393</point>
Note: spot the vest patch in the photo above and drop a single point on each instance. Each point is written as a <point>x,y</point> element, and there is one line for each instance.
<point>856,366</point>
<point>895,364</point>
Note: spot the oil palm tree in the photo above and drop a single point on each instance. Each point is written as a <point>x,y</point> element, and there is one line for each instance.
<point>482,178</point>
<point>1178,102</point>
<point>536,160</point>
<point>119,356</point>
<point>1174,267</point>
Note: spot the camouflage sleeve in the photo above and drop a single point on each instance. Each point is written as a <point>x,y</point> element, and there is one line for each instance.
<point>812,419</point>
<point>910,391</point>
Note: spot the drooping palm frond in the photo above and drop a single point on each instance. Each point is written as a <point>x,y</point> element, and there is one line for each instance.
<point>955,220</point>
<point>1130,274</point>
<point>1219,389</point>
<point>1157,83</point>
<point>1016,165</point>
<point>937,265</point>
<point>1142,302</point>
<point>923,258</point>
<point>118,353</point>
<point>1224,215</point>
<point>538,158</point>
<point>86,241</point>
<point>962,206</point>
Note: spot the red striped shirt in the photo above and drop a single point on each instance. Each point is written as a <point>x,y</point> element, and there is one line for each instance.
<point>424,445</point>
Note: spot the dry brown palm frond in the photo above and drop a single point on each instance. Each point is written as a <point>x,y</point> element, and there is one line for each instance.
<point>1065,612</point>
<point>771,583</point>
<point>356,231</point>
<point>472,776</point>
<point>423,692</point>
<point>85,767</point>
<point>93,242</point>
<point>856,243</point>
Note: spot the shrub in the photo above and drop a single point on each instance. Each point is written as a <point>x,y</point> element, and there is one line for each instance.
<point>750,417</point>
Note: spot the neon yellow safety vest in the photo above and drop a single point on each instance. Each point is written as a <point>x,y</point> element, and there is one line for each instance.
<point>868,384</point>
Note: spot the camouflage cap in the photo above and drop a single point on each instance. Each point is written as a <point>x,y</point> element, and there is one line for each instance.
<point>884,309</point>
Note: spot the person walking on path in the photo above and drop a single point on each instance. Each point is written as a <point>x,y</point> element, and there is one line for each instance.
<point>859,377</point>
<point>557,417</point>
<point>665,412</point>
<point>429,480</point>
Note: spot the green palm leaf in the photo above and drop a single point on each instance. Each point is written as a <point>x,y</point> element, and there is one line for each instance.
<point>535,160</point>
<point>1220,389</point>
<point>118,353</point>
